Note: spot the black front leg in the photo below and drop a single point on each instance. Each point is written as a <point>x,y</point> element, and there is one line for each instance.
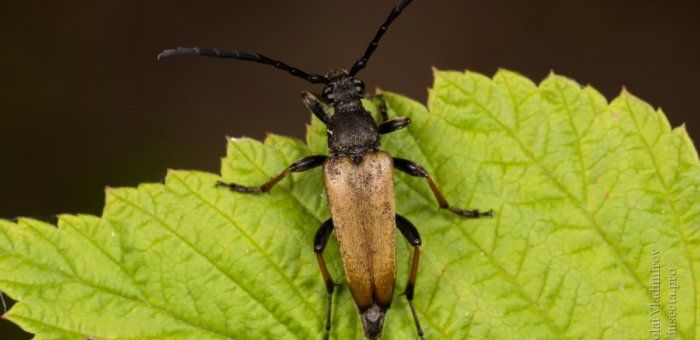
<point>303,164</point>
<point>416,170</point>
<point>315,106</point>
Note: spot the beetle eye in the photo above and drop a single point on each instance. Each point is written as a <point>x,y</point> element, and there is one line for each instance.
<point>327,92</point>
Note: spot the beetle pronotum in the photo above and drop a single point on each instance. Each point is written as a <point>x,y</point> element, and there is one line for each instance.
<point>359,183</point>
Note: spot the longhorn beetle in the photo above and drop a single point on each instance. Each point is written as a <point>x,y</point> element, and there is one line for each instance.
<point>359,183</point>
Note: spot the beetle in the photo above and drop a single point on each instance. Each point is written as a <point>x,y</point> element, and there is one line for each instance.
<point>359,184</point>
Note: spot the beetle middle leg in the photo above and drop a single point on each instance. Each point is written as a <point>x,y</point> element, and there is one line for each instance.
<point>414,169</point>
<point>382,107</point>
<point>411,234</point>
<point>388,126</point>
<point>303,164</point>
<point>320,241</point>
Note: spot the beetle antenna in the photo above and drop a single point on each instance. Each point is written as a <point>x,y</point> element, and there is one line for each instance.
<point>360,64</point>
<point>258,58</point>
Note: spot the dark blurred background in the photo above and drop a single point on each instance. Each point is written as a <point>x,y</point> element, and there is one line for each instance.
<point>84,104</point>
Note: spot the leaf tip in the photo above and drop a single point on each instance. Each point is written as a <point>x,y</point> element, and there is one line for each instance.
<point>107,189</point>
<point>626,95</point>
<point>682,128</point>
<point>624,90</point>
<point>435,71</point>
<point>60,218</point>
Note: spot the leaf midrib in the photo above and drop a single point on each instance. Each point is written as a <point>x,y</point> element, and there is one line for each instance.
<point>210,261</point>
<point>71,278</point>
<point>257,246</point>
<point>558,185</point>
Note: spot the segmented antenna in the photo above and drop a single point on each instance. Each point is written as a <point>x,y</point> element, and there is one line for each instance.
<point>360,64</point>
<point>258,58</point>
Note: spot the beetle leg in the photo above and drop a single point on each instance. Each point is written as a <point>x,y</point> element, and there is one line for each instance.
<point>393,125</point>
<point>303,164</point>
<point>315,106</point>
<point>388,126</point>
<point>382,108</point>
<point>320,241</point>
<point>416,170</point>
<point>410,232</point>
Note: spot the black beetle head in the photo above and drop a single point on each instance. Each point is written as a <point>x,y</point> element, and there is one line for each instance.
<point>342,87</point>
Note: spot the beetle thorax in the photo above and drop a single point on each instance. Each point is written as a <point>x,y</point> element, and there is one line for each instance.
<point>352,132</point>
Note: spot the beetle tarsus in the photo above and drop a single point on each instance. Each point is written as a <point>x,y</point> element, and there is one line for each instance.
<point>419,329</point>
<point>327,333</point>
<point>471,213</point>
<point>239,188</point>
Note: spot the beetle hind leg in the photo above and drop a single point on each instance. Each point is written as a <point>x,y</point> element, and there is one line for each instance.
<point>411,234</point>
<point>320,241</point>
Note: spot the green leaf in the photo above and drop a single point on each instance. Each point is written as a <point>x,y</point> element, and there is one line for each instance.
<point>584,193</point>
